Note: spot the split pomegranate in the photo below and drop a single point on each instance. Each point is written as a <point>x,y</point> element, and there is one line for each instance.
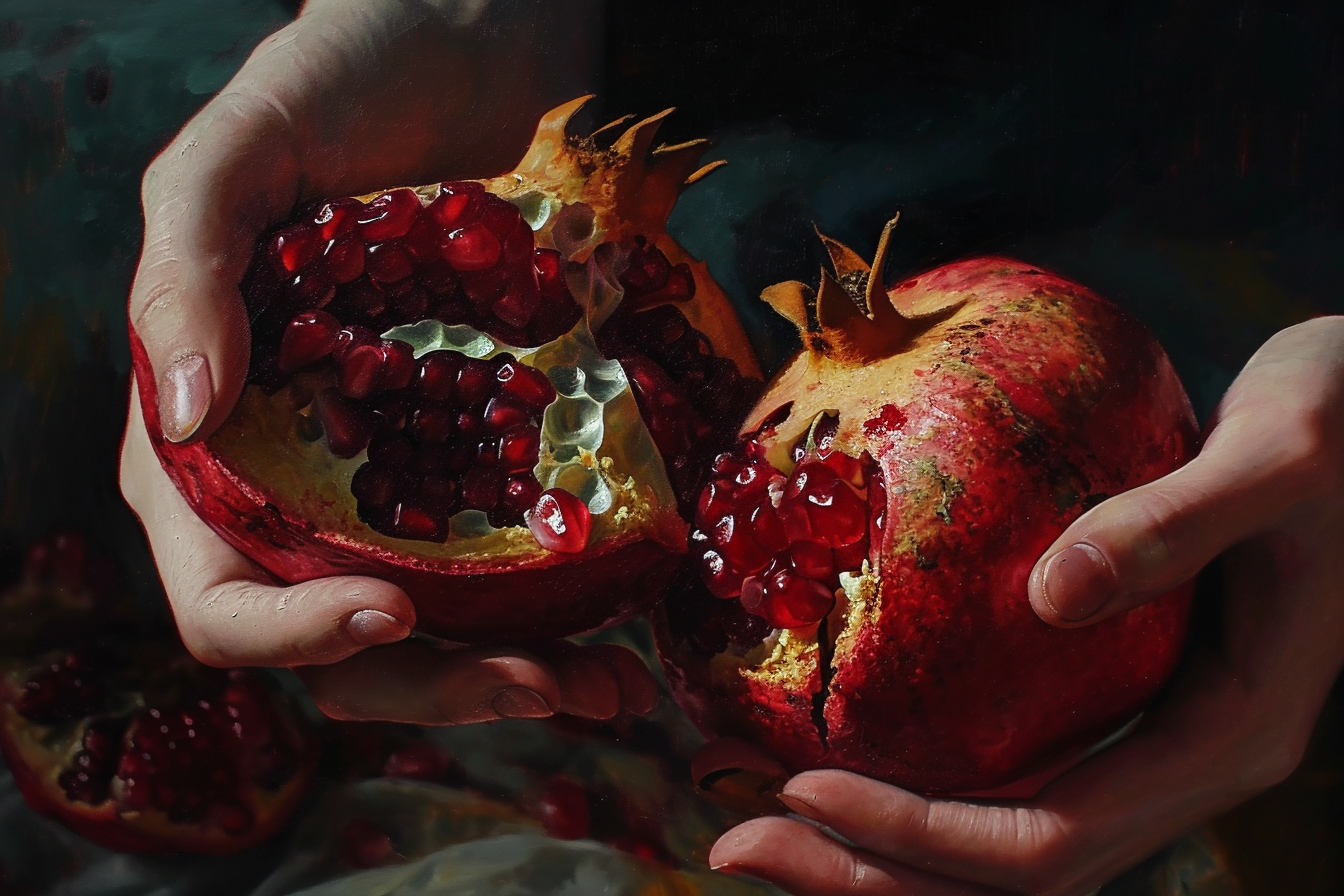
<point>133,746</point>
<point>501,395</point>
<point>859,593</point>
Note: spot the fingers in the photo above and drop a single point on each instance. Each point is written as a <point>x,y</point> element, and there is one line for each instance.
<point>207,197</point>
<point>229,611</point>
<point>802,860</point>
<point>423,685</point>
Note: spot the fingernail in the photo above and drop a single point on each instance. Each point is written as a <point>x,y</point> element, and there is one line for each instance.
<point>521,703</point>
<point>1077,582</point>
<point>374,627</point>
<point>797,804</point>
<point>184,397</point>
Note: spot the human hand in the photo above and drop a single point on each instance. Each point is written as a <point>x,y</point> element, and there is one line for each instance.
<point>350,97</point>
<point>1266,493</point>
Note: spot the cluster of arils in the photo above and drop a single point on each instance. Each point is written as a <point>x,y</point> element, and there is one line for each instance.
<point>779,543</point>
<point>447,432</point>
<point>200,751</point>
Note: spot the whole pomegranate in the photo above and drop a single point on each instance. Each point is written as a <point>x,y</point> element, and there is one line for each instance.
<point>132,744</point>
<point>501,395</point>
<point>863,553</point>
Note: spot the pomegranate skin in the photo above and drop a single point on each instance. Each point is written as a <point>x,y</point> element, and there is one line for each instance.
<point>1012,401</point>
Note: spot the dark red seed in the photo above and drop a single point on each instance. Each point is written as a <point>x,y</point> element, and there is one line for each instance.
<point>550,268</point>
<point>295,248</point>
<point>786,599</point>
<point>364,297</point>
<point>439,493</point>
<point>560,522</point>
<point>811,559</point>
<point>476,382</point>
<point>312,289</point>
<point>438,375</point>
<point>388,262</point>
<point>438,277</point>
<point>480,488</point>
<point>352,337</point>
<point>362,844</point>
<point>470,427</point>
<point>503,413</point>
<point>348,427</point>
<point>399,366</point>
<point>435,423</point>
<point>409,521</point>
<point>407,300</point>
<point>517,306</point>
<point>374,487</point>
<point>487,452</point>
<point>394,452</point>
<point>309,337</point>
<point>419,760</point>
<point>518,448</point>
<point>647,271</point>
<point>563,809</point>
<point>471,248</point>
<point>233,817</point>
<point>361,368</point>
<point>337,217</point>
<point>422,239</point>
<point>521,493</point>
<point>456,204</point>
<point>527,384</point>
<point>388,216</point>
<point>482,288</point>
<point>344,259</point>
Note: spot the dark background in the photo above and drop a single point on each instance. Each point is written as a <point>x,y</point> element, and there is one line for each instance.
<point>1180,157</point>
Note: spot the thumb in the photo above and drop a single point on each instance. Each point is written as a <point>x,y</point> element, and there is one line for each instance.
<point>1140,544</point>
<point>207,197</point>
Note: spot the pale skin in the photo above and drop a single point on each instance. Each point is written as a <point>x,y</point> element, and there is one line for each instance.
<point>1266,494</point>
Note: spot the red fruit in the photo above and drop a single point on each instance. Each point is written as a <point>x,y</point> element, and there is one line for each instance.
<point>415,443</point>
<point>562,807</point>
<point>172,758</point>
<point>936,438</point>
<point>418,760</point>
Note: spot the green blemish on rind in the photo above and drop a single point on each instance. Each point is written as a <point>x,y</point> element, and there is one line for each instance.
<point>947,487</point>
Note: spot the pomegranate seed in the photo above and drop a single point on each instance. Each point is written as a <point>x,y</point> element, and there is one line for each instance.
<point>422,239</point>
<point>233,818</point>
<point>312,289</point>
<point>347,426</point>
<point>399,366</point>
<point>438,375</point>
<point>811,559</point>
<point>767,529</point>
<point>549,265</point>
<point>361,368</point>
<point>440,279</point>
<point>471,248</point>
<point>350,338</point>
<point>518,448</point>
<point>647,271</point>
<point>362,844</point>
<point>503,413</point>
<point>476,382</point>
<point>818,505</point>
<point>388,262</point>
<point>786,599</point>
<point>563,809</point>
<point>850,557</point>
<point>296,247</point>
<point>419,760</point>
<point>487,452</point>
<point>435,423</point>
<point>364,297</point>
<point>734,542</point>
<point>517,306</point>
<point>527,384</point>
<point>440,493</point>
<point>456,204</point>
<point>412,522</point>
<point>337,217</point>
<point>373,486</point>
<point>388,216</point>
<point>520,493</point>
<point>560,522</point>
<point>482,288</point>
<point>344,259</point>
<point>309,337</point>
<point>408,300</point>
<point>393,452</point>
<point>481,488</point>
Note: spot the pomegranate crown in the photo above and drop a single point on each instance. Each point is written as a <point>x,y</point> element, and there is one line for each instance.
<point>851,317</point>
<point>631,183</point>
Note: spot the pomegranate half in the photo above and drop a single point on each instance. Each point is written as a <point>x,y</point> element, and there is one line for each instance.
<point>500,395</point>
<point>860,593</point>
